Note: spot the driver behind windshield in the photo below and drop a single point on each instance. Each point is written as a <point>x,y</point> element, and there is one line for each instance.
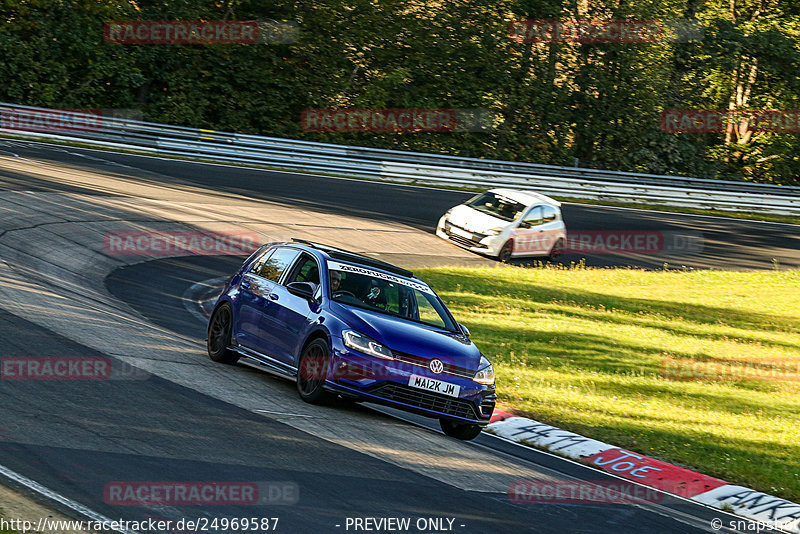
<point>336,280</point>
<point>396,299</point>
<point>371,293</point>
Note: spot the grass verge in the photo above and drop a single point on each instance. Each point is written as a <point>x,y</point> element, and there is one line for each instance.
<point>698,368</point>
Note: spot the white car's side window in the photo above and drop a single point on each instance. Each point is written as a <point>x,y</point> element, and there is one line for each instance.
<point>549,214</point>
<point>533,217</point>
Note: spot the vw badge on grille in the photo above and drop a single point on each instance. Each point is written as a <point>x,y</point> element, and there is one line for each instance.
<point>436,366</point>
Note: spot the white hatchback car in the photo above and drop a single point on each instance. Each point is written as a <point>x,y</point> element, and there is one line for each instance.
<point>506,223</point>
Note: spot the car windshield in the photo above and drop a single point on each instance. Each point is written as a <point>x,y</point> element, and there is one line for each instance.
<point>497,206</point>
<point>387,294</point>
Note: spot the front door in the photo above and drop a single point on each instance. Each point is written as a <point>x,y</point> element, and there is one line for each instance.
<point>284,322</point>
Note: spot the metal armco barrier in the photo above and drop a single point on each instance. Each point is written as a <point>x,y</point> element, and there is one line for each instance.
<point>394,166</point>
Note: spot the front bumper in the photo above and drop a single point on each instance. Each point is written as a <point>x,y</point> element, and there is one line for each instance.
<point>387,382</point>
<point>480,243</point>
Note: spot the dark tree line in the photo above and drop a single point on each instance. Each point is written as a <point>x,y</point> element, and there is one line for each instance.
<point>598,103</point>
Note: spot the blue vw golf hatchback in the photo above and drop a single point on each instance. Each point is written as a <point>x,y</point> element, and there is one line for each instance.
<point>348,326</point>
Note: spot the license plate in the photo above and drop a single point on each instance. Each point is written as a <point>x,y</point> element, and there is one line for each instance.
<point>460,232</point>
<point>433,385</point>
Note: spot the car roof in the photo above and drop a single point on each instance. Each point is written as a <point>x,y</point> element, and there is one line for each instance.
<point>336,253</point>
<point>525,197</point>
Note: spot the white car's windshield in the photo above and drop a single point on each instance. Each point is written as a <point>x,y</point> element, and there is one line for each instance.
<point>387,294</point>
<point>497,206</point>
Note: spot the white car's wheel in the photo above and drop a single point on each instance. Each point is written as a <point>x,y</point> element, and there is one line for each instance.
<point>506,251</point>
<point>557,250</point>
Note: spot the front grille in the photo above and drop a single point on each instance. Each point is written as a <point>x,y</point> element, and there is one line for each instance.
<point>476,235</point>
<point>461,240</point>
<point>423,399</point>
<point>461,372</point>
<point>475,242</point>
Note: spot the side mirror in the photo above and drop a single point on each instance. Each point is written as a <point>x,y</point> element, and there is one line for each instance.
<point>464,329</point>
<point>305,290</point>
<point>523,224</point>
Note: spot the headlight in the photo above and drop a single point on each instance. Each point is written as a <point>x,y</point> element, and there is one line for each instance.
<point>358,341</point>
<point>494,231</point>
<point>485,374</point>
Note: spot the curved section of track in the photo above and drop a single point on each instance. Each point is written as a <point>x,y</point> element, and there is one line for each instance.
<point>691,241</point>
<point>167,412</point>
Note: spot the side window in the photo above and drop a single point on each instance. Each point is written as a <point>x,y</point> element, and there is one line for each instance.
<point>305,270</point>
<point>548,214</point>
<point>426,310</point>
<point>274,266</point>
<point>534,217</point>
<point>256,265</point>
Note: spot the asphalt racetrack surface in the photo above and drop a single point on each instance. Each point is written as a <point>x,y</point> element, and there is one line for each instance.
<point>166,413</point>
<point>690,241</point>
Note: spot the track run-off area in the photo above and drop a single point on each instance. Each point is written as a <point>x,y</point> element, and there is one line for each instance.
<point>164,412</point>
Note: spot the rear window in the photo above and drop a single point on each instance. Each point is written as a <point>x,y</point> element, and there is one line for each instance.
<point>273,266</point>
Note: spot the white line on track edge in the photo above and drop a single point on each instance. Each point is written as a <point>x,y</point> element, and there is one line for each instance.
<point>57,497</point>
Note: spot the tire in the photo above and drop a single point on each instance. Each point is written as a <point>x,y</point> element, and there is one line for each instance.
<point>557,250</point>
<point>311,372</point>
<point>506,251</point>
<point>219,335</point>
<point>463,431</point>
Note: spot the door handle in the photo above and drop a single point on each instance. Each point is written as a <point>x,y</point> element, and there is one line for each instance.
<point>273,296</point>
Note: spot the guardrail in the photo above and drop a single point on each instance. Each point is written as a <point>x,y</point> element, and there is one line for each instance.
<point>395,166</point>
